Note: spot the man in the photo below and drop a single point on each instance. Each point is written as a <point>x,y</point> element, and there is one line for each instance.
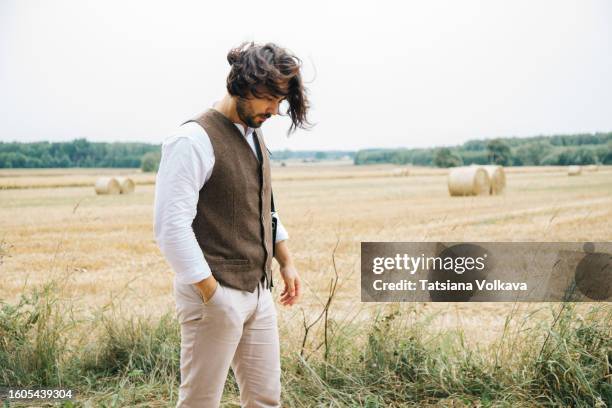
<point>213,224</point>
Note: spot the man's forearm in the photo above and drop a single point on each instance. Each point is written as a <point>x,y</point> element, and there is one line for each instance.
<point>281,253</point>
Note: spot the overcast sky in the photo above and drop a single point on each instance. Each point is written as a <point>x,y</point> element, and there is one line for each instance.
<point>382,74</point>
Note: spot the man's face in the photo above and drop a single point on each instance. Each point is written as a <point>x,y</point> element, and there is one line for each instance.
<point>254,111</point>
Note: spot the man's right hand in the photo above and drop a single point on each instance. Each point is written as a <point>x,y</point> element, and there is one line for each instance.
<point>207,287</point>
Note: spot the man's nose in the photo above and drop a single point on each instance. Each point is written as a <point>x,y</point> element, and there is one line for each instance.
<point>272,109</point>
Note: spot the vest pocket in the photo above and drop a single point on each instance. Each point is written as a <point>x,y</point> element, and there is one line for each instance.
<point>228,262</point>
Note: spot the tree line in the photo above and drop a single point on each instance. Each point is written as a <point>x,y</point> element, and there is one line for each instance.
<point>76,153</point>
<point>533,151</point>
<point>82,153</point>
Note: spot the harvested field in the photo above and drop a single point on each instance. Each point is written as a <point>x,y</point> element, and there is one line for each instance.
<point>105,244</point>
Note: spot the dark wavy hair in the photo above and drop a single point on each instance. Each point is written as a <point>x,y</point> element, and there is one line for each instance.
<point>259,70</point>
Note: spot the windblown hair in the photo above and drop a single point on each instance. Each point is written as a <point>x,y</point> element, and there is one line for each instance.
<point>259,70</point>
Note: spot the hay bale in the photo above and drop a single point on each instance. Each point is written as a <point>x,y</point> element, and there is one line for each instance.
<point>592,167</point>
<point>497,177</point>
<point>574,170</point>
<point>126,184</point>
<point>401,172</point>
<point>468,180</point>
<point>107,185</point>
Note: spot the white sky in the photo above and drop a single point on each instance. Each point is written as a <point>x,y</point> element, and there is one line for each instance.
<point>388,74</point>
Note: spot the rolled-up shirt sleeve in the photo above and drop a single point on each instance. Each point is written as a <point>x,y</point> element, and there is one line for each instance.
<point>281,232</point>
<point>179,180</point>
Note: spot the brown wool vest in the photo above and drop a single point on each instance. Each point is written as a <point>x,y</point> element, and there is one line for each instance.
<point>233,223</point>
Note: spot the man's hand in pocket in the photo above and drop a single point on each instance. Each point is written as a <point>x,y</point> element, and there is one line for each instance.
<point>207,288</point>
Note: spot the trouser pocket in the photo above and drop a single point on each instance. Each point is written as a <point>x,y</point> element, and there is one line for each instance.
<point>213,297</point>
<point>189,303</point>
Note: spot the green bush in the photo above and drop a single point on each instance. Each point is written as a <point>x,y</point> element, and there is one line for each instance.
<point>150,162</point>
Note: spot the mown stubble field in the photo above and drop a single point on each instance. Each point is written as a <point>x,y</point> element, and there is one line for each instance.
<point>102,248</point>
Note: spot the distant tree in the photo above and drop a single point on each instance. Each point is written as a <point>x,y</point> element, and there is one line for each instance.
<point>499,152</point>
<point>607,157</point>
<point>584,155</point>
<point>532,153</point>
<point>553,158</point>
<point>475,145</point>
<point>5,161</point>
<point>150,162</point>
<point>473,156</point>
<point>444,157</point>
<point>563,156</point>
<point>422,157</point>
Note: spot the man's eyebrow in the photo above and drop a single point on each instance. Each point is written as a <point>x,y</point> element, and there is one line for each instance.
<point>271,97</point>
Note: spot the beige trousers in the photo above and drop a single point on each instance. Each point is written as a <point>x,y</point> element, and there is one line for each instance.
<point>233,328</point>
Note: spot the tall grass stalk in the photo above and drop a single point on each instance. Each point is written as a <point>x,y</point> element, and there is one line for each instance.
<point>395,360</point>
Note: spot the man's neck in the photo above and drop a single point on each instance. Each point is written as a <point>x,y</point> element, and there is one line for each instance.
<point>227,107</point>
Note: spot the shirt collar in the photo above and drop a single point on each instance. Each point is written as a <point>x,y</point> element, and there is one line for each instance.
<point>241,129</point>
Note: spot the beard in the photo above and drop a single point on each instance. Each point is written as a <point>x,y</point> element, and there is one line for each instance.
<point>246,114</point>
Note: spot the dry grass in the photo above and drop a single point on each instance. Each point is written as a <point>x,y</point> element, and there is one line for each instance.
<point>11,179</point>
<point>104,249</point>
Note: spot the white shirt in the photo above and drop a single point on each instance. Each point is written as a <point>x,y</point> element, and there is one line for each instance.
<point>187,160</point>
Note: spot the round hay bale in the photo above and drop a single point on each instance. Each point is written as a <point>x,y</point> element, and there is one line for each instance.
<point>592,167</point>
<point>401,172</point>
<point>497,177</point>
<point>468,180</point>
<point>126,184</point>
<point>574,170</point>
<point>107,185</point>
